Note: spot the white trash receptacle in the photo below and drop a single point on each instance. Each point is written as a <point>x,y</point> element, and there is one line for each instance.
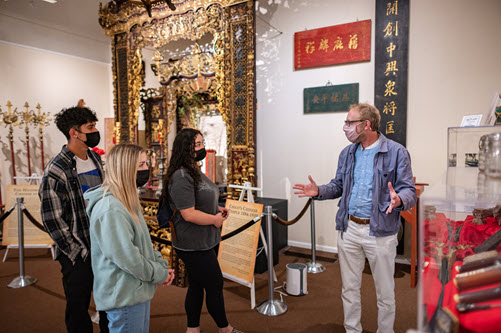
<point>296,279</point>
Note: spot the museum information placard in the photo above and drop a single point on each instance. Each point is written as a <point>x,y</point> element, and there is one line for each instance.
<point>237,254</point>
<point>32,235</point>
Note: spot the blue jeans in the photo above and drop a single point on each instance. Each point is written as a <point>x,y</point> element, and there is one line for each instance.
<point>130,319</point>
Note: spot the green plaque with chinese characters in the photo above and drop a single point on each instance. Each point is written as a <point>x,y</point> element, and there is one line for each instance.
<point>330,98</point>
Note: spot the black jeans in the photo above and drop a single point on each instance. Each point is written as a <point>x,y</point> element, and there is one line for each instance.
<point>77,284</point>
<point>204,273</point>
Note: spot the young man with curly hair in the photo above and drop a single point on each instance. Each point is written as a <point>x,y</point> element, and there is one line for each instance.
<point>66,178</point>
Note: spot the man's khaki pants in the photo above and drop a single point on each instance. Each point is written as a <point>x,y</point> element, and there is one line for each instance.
<point>354,246</point>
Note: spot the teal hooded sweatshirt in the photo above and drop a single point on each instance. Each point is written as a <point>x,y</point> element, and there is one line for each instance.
<point>126,268</point>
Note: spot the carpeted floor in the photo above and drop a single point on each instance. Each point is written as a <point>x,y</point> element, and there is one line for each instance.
<point>40,307</point>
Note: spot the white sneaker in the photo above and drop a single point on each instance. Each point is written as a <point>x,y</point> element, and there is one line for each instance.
<point>95,317</point>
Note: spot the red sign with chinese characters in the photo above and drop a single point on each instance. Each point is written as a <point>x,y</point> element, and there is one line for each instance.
<point>350,42</point>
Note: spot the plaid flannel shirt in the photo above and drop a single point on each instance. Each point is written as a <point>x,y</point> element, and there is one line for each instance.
<point>63,205</point>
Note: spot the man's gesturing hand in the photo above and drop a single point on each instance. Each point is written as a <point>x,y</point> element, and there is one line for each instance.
<point>395,199</point>
<point>307,190</point>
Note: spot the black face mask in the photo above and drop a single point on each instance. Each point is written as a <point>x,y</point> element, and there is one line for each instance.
<point>92,139</point>
<point>142,177</point>
<point>200,154</point>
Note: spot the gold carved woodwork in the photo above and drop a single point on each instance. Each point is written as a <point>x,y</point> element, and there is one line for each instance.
<point>232,24</point>
<point>150,209</point>
<point>133,13</point>
<point>239,91</point>
<point>153,105</point>
<point>153,112</point>
<point>135,82</point>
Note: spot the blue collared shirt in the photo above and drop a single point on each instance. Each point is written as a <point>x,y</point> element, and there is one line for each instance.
<point>361,194</point>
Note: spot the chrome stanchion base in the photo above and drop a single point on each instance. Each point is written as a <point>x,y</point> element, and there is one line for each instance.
<point>22,281</point>
<point>272,308</point>
<point>315,267</point>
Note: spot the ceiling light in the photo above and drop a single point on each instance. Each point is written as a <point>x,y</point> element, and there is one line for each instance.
<point>51,1</point>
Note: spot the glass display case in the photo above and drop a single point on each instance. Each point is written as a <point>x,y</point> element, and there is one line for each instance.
<point>460,236</point>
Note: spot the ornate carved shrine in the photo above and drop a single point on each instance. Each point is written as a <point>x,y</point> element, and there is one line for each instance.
<point>232,25</point>
<point>230,82</point>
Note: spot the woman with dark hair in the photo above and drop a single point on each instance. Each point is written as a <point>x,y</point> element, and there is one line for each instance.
<point>197,228</point>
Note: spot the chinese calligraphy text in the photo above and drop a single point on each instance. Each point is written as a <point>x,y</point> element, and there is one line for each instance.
<point>344,43</point>
<point>391,60</point>
<point>330,98</point>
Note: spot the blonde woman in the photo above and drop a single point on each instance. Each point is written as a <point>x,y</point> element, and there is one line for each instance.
<point>126,268</point>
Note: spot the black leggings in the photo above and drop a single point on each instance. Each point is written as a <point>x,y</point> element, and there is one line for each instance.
<point>204,273</point>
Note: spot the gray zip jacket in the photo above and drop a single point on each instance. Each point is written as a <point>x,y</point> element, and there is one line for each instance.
<point>392,163</point>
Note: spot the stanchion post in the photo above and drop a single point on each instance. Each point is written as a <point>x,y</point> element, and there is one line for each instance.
<point>270,307</point>
<point>313,265</point>
<point>21,280</point>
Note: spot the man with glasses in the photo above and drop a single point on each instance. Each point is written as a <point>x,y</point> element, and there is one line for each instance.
<point>375,182</point>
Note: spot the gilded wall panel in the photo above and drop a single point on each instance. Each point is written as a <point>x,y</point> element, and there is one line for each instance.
<point>232,23</point>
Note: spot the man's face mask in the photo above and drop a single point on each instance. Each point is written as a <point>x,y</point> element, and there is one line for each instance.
<point>350,129</point>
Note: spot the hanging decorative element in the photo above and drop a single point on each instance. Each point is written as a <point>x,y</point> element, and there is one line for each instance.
<point>26,119</point>
<point>10,119</point>
<point>41,120</point>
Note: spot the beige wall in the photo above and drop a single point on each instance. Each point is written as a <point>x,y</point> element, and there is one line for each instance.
<point>55,81</point>
<point>68,27</point>
<point>454,70</point>
<point>292,145</point>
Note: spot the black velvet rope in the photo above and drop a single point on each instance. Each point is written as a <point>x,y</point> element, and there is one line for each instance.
<point>224,237</point>
<point>32,219</point>
<point>242,228</point>
<point>160,240</point>
<point>165,241</point>
<point>291,222</point>
<point>7,213</point>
